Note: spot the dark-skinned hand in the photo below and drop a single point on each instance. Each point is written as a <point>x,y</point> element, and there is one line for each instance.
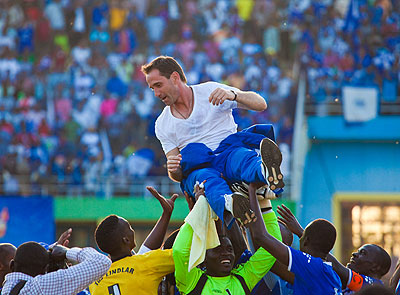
<point>63,239</point>
<point>287,218</point>
<point>199,190</point>
<point>166,204</point>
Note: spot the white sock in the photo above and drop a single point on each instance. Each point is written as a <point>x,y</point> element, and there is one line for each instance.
<point>229,203</point>
<point>264,172</point>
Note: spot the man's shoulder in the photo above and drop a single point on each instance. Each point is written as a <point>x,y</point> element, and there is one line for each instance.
<point>303,259</point>
<point>158,253</point>
<point>137,258</point>
<point>209,85</point>
<point>370,280</point>
<point>164,114</point>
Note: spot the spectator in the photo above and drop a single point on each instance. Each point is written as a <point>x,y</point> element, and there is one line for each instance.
<point>55,14</point>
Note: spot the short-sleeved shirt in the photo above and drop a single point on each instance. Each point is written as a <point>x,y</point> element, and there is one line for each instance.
<point>206,124</point>
<point>312,275</point>
<point>358,281</point>
<point>137,274</point>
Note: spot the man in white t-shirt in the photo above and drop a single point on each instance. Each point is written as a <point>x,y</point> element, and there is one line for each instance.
<point>192,126</point>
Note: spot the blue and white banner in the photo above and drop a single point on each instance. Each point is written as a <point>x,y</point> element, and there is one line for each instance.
<point>360,104</point>
<point>24,219</point>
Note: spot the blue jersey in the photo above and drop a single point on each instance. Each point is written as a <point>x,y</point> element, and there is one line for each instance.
<point>312,275</point>
<point>398,289</point>
<point>358,281</point>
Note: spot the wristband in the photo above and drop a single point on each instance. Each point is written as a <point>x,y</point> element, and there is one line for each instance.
<point>234,92</point>
<point>266,209</point>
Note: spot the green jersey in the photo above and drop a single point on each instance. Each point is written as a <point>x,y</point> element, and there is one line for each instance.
<point>252,271</point>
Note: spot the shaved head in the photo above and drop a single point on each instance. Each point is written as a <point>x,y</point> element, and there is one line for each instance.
<point>7,253</point>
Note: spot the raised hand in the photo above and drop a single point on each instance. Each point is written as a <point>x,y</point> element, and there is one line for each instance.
<point>199,190</point>
<point>287,217</point>
<point>166,204</point>
<point>63,239</point>
<point>189,201</point>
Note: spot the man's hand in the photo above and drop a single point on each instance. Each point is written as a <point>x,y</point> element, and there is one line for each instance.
<point>189,201</point>
<point>166,204</point>
<point>59,253</point>
<point>63,239</point>
<point>199,190</point>
<point>219,95</point>
<point>289,220</point>
<point>174,163</point>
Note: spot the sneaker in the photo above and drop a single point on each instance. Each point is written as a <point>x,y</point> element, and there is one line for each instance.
<point>272,158</point>
<point>263,192</point>
<point>241,209</point>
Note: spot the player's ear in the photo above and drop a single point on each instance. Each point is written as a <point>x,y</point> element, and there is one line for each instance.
<point>12,265</point>
<point>175,77</point>
<point>306,241</point>
<point>125,240</point>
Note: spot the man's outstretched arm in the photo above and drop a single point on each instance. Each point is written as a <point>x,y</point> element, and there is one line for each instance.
<point>260,234</point>
<point>245,99</point>
<point>156,237</point>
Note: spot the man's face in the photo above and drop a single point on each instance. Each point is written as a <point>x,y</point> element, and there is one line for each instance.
<point>128,232</point>
<point>165,89</point>
<point>363,260</point>
<point>219,260</point>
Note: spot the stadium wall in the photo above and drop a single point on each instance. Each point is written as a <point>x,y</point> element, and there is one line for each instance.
<point>360,159</point>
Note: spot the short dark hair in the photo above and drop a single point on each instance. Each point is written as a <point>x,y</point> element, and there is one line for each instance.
<point>383,260</point>
<point>321,234</point>
<point>166,65</point>
<point>5,250</point>
<point>108,234</point>
<point>31,258</point>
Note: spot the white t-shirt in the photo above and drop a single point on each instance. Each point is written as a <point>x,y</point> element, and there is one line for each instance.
<point>207,123</point>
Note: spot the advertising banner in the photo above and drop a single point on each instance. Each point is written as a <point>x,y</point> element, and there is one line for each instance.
<point>25,219</point>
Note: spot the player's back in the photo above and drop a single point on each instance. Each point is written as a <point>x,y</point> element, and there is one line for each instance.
<point>137,274</point>
<point>312,275</point>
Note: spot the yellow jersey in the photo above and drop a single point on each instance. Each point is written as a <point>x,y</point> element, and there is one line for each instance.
<point>137,274</point>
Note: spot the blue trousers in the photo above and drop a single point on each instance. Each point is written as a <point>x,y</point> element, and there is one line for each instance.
<point>234,160</point>
<point>239,164</point>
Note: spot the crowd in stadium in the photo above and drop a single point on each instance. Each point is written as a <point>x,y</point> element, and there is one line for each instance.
<point>362,49</point>
<point>70,71</point>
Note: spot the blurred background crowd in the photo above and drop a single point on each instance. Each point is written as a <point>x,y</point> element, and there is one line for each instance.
<point>77,117</point>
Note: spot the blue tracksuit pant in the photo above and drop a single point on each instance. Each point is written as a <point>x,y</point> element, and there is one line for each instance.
<point>236,159</point>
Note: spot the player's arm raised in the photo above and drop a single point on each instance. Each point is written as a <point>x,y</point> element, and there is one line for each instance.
<point>156,237</point>
<point>246,99</point>
<point>261,235</point>
<point>174,159</point>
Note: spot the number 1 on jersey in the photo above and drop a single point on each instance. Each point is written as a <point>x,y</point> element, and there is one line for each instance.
<point>114,290</point>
